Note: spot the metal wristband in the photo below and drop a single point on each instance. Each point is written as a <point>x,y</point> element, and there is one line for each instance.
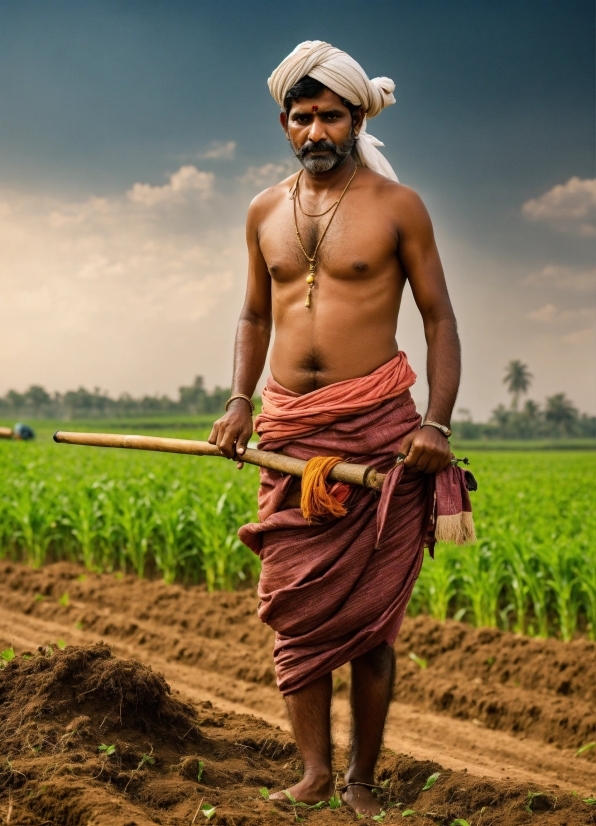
<point>446,431</point>
<point>240,396</point>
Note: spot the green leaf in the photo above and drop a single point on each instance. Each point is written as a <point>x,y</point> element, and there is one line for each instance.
<point>61,644</point>
<point>459,822</point>
<point>418,660</point>
<point>408,812</point>
<point>430,782</point>
<point>380,817</point>
<point>591,801</point>
<point>290,797</point>
<point>64,600</point>
<point>318,805</point>
<point>264,792</point>
<point>201,770</point>
<point>107,750</point>
<point>531,796</point>
<point>208,810</point>
<point>7,654</point>
<point>335,801</point>
<point>587,747</point>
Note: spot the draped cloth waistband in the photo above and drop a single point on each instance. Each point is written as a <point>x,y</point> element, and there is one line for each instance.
<point>336,589</point>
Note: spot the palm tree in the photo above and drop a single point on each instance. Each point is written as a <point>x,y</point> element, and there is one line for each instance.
<point>561,412</point>
<point>518,379</point>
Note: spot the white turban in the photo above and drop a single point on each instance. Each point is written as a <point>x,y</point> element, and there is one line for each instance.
<point>340,73</point>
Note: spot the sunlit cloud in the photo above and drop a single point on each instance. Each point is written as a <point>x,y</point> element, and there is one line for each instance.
<point>187,181</point>
<point>574,279</point>
<point>219,151</point>
<point>268,174</point>
<point>568,208</point>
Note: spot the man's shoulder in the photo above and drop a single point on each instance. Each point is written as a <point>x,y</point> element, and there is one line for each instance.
<point>386,188</point>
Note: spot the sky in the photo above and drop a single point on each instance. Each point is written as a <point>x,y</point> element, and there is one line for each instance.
<point>133,136</point>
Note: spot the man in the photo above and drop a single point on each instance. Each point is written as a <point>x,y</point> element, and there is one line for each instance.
<point>330,251</point>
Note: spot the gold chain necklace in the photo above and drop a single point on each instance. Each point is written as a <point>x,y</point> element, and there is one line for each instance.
<point>312,261</point>
<point>313,214</point>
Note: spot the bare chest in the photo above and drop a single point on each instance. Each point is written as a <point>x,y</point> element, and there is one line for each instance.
<point>356,243</point>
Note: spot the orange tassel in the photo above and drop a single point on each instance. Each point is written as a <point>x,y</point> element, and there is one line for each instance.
<point>316,501</point>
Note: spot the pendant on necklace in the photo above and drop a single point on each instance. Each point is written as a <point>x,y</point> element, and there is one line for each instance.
<point>310,280</point>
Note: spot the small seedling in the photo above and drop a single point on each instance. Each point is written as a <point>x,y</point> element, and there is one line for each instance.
<point>531,797</point>
<point>335,801</point>
<point>459,822</point>
<point>490,660</point>
<point>430,782</point>
<point>291,797</point>
<point>263,792</point>
<point>81,578</point>
<point>61,644</point>
<point>200,771</point>
<point>79,626</point>
<point>64,601</point>
<point>408,813</point>
<point>146,758</point>
<point>591,801</point>
<point>107,751</point>
<point>380,817</point>
<point>208,810</point>
<point>38,597</point>
<point>7,654</point>
<point>587,747</point>
<point>418,660</point>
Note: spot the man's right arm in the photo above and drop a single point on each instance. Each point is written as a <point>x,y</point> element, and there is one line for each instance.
<point>232,432</point>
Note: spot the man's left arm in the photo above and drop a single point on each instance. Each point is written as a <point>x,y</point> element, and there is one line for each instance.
<point>428,449</point>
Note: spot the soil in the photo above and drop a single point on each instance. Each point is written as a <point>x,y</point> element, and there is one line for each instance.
<point>500,717</point>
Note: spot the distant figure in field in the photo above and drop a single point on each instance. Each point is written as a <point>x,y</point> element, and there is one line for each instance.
<point>20,432</point>
<point>330,251</point>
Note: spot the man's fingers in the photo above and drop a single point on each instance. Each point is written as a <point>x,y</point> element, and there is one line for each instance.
<point>412,454</point>
<point>213,435</point>
<point>239,465</point>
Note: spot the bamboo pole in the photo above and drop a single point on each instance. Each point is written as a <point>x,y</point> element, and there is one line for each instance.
<point>353,474</point>
<point>6,433</point>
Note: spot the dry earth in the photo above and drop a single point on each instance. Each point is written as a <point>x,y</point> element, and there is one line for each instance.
<point>499,716</point>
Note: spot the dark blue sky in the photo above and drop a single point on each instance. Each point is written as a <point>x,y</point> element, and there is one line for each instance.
<point>495,102</point>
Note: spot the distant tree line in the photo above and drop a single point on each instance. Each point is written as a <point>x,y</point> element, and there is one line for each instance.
<point>558,418</point>
<point>37,403</point>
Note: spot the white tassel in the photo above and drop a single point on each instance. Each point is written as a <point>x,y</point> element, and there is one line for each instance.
<point>457,528</point>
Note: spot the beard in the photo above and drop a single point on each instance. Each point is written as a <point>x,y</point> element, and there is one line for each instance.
<point>339,153</point>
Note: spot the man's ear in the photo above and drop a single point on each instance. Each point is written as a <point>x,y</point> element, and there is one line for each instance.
<point>358,119</point>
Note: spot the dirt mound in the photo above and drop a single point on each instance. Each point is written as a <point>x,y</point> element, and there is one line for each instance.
<point>93,740</point>
<point>544,689</point>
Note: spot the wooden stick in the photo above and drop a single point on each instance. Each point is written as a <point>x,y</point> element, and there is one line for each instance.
<point>6,433</point>
<point>363,475</point>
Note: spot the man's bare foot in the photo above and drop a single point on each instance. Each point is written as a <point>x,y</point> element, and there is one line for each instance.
<point>361,800</point>
<point>310,790</point>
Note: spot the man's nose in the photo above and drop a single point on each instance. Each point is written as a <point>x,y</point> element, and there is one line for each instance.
<point>317,131</point>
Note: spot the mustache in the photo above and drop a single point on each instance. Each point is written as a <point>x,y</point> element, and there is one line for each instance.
<point>316,146</point>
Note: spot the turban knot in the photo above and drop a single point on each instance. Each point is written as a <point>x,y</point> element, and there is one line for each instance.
<point>343,75</point>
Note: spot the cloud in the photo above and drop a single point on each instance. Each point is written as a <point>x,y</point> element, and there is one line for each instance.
<point>568,208</point>
<point>574,279</point>
<point>219,151</point>
<point>187,182</point>
<point>549,313</point>
<point>268,174</point>
<point>125,292</point>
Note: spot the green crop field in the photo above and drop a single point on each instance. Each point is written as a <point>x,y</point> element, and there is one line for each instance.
<point>533,569</point>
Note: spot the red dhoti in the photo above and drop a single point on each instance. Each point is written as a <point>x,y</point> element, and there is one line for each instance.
<point>336,589</point>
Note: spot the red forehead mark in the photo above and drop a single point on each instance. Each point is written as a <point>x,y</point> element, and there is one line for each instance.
<point>315,108</point>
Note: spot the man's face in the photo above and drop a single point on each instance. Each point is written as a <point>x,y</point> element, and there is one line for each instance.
<point>321,130</point>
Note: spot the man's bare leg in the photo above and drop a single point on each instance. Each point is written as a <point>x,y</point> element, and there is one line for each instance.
<point>372,686</point>
<point>310,715</point>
